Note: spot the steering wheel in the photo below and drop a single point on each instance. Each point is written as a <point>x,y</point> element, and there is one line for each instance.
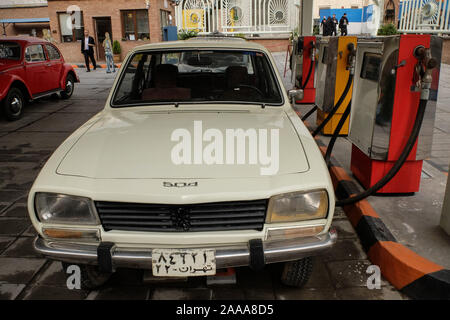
<point>253,88</point>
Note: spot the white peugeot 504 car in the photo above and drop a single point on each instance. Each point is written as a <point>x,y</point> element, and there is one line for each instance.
<point>197,163</point>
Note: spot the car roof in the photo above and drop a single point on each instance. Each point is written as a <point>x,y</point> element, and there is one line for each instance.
<point>23,39</point>
<point>204,42</point>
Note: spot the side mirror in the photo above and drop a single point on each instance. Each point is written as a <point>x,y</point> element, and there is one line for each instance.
<point>295,94</point>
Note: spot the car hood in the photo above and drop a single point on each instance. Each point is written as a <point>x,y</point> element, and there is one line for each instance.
<point>140,145</point>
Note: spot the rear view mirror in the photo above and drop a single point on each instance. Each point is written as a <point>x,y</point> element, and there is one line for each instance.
<point>295,94</point>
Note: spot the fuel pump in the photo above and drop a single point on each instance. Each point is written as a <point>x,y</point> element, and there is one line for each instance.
<point>394,104</point>
<point>305,54</point>
<point>334,82</point>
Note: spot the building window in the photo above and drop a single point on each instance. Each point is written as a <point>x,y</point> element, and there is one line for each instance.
<point>70,32</point>
<point>135,25</point>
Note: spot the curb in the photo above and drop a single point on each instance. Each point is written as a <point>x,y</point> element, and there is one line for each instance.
<point>101,66</point>
<point>412,274</point>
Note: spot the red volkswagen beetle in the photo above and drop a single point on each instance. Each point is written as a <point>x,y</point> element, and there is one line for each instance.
<point>31,68</point>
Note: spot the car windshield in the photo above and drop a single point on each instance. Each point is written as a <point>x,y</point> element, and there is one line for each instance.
<point>196,76</point>
<point>9,50</point>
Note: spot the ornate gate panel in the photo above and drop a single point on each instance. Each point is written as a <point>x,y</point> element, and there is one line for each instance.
<point>428,16</point>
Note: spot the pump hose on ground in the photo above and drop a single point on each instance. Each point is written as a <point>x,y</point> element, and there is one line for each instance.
<point>309,113</point>
<point>398,164</point>
<point>336,107</point>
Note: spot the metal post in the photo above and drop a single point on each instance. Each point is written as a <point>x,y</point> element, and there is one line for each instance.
<point>306,18</point>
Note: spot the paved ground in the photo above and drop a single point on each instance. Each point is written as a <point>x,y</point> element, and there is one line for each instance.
<point>25,145</point>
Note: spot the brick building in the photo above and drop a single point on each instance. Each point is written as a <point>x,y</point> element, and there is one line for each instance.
<point>23,17</point>
<point>131,22</point>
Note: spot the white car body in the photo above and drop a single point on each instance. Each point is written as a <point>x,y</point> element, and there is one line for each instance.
<point>122,155</point>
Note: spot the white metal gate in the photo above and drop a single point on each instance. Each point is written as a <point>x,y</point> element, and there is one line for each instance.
<point>427,16</point>
<point>238,16</point>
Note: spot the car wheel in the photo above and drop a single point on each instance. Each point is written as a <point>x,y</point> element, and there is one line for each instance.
<point>91,276</point>
<point>13,104</point>
<point>297,273</point>
<point>70,86</point>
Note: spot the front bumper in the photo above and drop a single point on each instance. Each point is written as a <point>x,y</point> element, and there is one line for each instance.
<point>227,256</point>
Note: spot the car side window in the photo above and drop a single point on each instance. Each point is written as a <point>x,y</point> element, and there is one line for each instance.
<point>53,53</point>
<point>34,53</point>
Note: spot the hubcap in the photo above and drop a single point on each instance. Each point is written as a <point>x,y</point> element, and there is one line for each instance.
<point>16,104</point>
<point>69,87</point>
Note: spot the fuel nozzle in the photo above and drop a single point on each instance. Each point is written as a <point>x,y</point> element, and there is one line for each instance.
<point>313,51</point>
<point>424,70</point>
<point>351,58</point>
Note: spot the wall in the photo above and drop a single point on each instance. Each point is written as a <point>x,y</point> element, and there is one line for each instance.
<point>23,12</point>
<point>105,8</point>
<point>274,45</point>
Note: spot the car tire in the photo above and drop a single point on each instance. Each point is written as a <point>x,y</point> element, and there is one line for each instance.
<point>297,273</point>
<point>13,104</point>
<point>91,277</point>
<point>70,86</point>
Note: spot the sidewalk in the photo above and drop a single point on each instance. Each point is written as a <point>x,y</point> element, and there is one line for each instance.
<point>414,220</point>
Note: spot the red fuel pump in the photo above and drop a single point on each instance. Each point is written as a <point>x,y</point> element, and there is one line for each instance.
<point>305,69</point>
<point>393,74</point>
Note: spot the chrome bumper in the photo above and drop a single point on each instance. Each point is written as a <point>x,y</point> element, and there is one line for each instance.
<point>227,256</point>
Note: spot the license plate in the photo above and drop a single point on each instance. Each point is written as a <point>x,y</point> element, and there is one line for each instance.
<point>183,262</point>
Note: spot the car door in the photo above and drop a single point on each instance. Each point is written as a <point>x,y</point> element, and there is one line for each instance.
<point>55,66</point>
<point>35,69</point>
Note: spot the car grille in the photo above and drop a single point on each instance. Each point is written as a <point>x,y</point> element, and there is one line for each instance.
<point>219,216</point>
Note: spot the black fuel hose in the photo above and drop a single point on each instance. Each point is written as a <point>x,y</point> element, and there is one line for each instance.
<point>309,113</point>
<point>311,65</point>
<point>336,133</point>
<point>398,164</point>
<point>336,107</point>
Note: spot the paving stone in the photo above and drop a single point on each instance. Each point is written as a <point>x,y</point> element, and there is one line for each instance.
<point>10,291</point>
<point>22,248</point>
<point>31,142</point>
<point>360,293</point>
<point>13,226</point>
<point>344,229</point>
<point>320,277</point>
<point>346,249</point>
<point>53,293</point>
<point>181,294</point>
<point>29,232</point>
<point>61,122</point>
<point>19,270</point>
<point>351,273</point>
<point>53,275</point>
<point>26,119</point>
<point>17,211</point>
<point>123,293</point>
<point>5,242</point>
<point>9,196</point>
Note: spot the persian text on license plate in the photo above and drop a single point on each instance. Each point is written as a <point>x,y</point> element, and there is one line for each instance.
<point>183,262</point>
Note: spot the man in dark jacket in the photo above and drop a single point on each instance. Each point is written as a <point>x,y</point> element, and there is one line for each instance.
<point>335,24</point>
<point>330,26</point>
<point>87,49</point>
<point>323,24</point>
<point>343,23</point>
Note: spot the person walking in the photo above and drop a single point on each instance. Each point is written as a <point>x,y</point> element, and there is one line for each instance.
<point>343,23</point>
<point>323,24</point>
<point>87,49</point>
<point>330,25</point>
<point>335,24</point>
<point>108,54</point>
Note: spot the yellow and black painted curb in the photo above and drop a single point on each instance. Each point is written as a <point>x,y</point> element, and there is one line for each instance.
<point>412,274</point>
